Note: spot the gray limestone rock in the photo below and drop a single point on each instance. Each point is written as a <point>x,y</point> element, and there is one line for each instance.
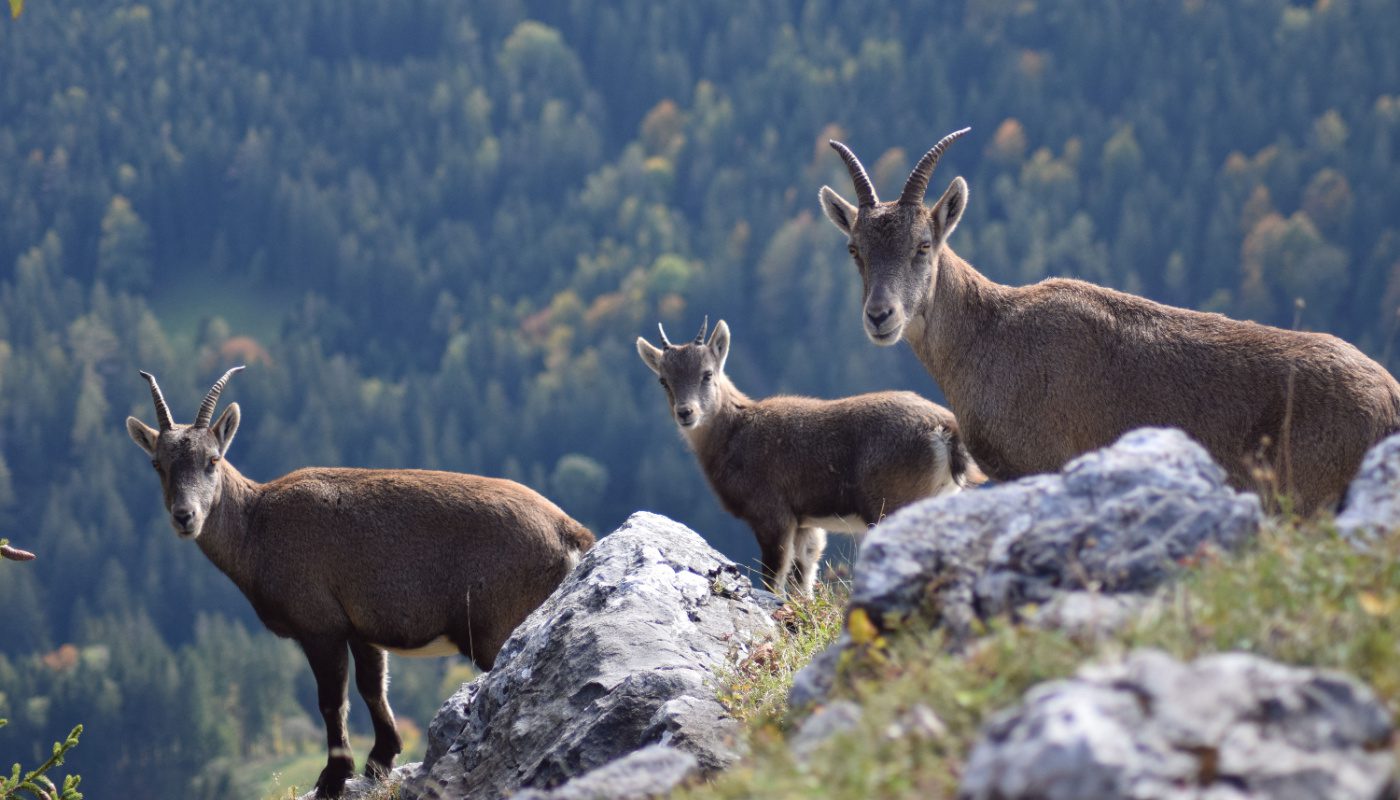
<point>651,772</point>
<point>1373,500</point>
<point>1114,521</point>
<point>623,655</point>
<point>1230,726</point>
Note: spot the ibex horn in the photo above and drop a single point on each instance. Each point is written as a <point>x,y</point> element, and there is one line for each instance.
<point>162,410</point>
<point>917,185</point>
<point>665,343</point>
<point>865,190</point>
<point>704,326</point>
<point>206,409</point>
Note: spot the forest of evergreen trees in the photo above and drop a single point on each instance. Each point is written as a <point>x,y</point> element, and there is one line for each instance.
<point>433,229</point>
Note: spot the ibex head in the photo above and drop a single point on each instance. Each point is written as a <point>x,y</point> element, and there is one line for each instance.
<point>689,372</point>
<point>896,244</point>
<point>187,457</point>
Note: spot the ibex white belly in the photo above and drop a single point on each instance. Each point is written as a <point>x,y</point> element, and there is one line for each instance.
<point>441,646</point>
<point>853,524</point>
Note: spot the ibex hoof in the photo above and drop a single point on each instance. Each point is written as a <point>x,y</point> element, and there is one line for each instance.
<point>332,781</point>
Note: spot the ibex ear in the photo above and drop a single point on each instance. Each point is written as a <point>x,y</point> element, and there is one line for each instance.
<point>841,213</point>
<point>719,343</point>
<point>949,209</point>
<point>144,435</point>
<point>225,427</point>
<point>651,355</point>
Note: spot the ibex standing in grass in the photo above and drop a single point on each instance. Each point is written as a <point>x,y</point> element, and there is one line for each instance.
<point>360,561</point>
<point>1040,374</point>
<point>796,467</point>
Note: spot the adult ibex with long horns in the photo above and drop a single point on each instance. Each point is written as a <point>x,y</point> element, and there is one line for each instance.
<point>359,561</point>
<point>1039,374</point>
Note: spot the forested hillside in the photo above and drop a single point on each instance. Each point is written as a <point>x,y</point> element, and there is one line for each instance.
<point>433,230</point>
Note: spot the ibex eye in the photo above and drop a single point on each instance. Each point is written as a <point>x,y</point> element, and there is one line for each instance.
<point>707,376</point>
<point>851,249</point>
<point>155,463</point>
<point>661,381</point>
<point>924,247</point>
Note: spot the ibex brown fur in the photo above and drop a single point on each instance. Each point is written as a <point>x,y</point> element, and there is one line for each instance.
<point>1040,374</point>
<point>795,467</point>
<point>362,561</point>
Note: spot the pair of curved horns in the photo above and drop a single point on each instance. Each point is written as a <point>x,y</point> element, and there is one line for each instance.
<point>699,337</point>
<point>206,409</point>
<point>914,187</point>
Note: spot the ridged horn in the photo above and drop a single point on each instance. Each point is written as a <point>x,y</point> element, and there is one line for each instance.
<point>917,185</point>
<point>162,410</point>
<point>865,190</point>
<point>206,409</point>
<point>665,343</point>
<point>704,326</point>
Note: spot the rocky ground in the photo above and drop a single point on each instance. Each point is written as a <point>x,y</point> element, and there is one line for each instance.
<point>1130,627</point>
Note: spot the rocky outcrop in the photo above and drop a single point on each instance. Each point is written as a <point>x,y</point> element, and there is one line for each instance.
<point>1117,521</point>
<point>622,656</point>
<point>1231,726</point>
<point>1373,500</point>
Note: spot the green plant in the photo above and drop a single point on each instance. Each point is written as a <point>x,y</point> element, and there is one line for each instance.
<point>36,782</point>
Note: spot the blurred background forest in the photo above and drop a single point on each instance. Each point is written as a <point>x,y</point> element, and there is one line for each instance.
<point>433,230</point>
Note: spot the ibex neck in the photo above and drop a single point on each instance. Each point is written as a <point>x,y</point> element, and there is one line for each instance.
<point>948,330</point>
<point>224,537</point>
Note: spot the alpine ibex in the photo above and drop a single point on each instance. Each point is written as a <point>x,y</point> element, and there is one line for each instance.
<point>796,467</point>
<point>1039,374</point>
<point>415,562</point>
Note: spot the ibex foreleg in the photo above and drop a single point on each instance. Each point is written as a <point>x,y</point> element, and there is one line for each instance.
<point>330,663</point>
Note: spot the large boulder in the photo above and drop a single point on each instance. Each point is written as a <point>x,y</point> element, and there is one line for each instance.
<point>1227,727</point>
<point>1116,521</point>
<point>623,655</point>
<point>1373,499</point>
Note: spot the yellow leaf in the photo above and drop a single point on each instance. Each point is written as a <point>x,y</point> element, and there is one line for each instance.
<point>862,630</point>
<point>16,6</point>
<point>1372,604</point>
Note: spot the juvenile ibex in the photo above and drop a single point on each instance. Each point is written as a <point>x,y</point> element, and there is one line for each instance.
<point>796,467</point>
<point>410,561</point>
<point>1040,374</point>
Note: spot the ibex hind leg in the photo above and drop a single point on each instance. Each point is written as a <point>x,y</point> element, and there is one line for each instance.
<point>372,681</point>
<point>330,663</point>
<point>810,544</point>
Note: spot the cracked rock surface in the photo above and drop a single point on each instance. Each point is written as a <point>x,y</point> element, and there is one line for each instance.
<point>1373,499</point>
<point>622,656</point>
<point>1116,521</point>
<point>1232,726</point>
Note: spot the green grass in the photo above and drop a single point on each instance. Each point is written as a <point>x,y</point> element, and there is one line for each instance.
<point>1298,595</point>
